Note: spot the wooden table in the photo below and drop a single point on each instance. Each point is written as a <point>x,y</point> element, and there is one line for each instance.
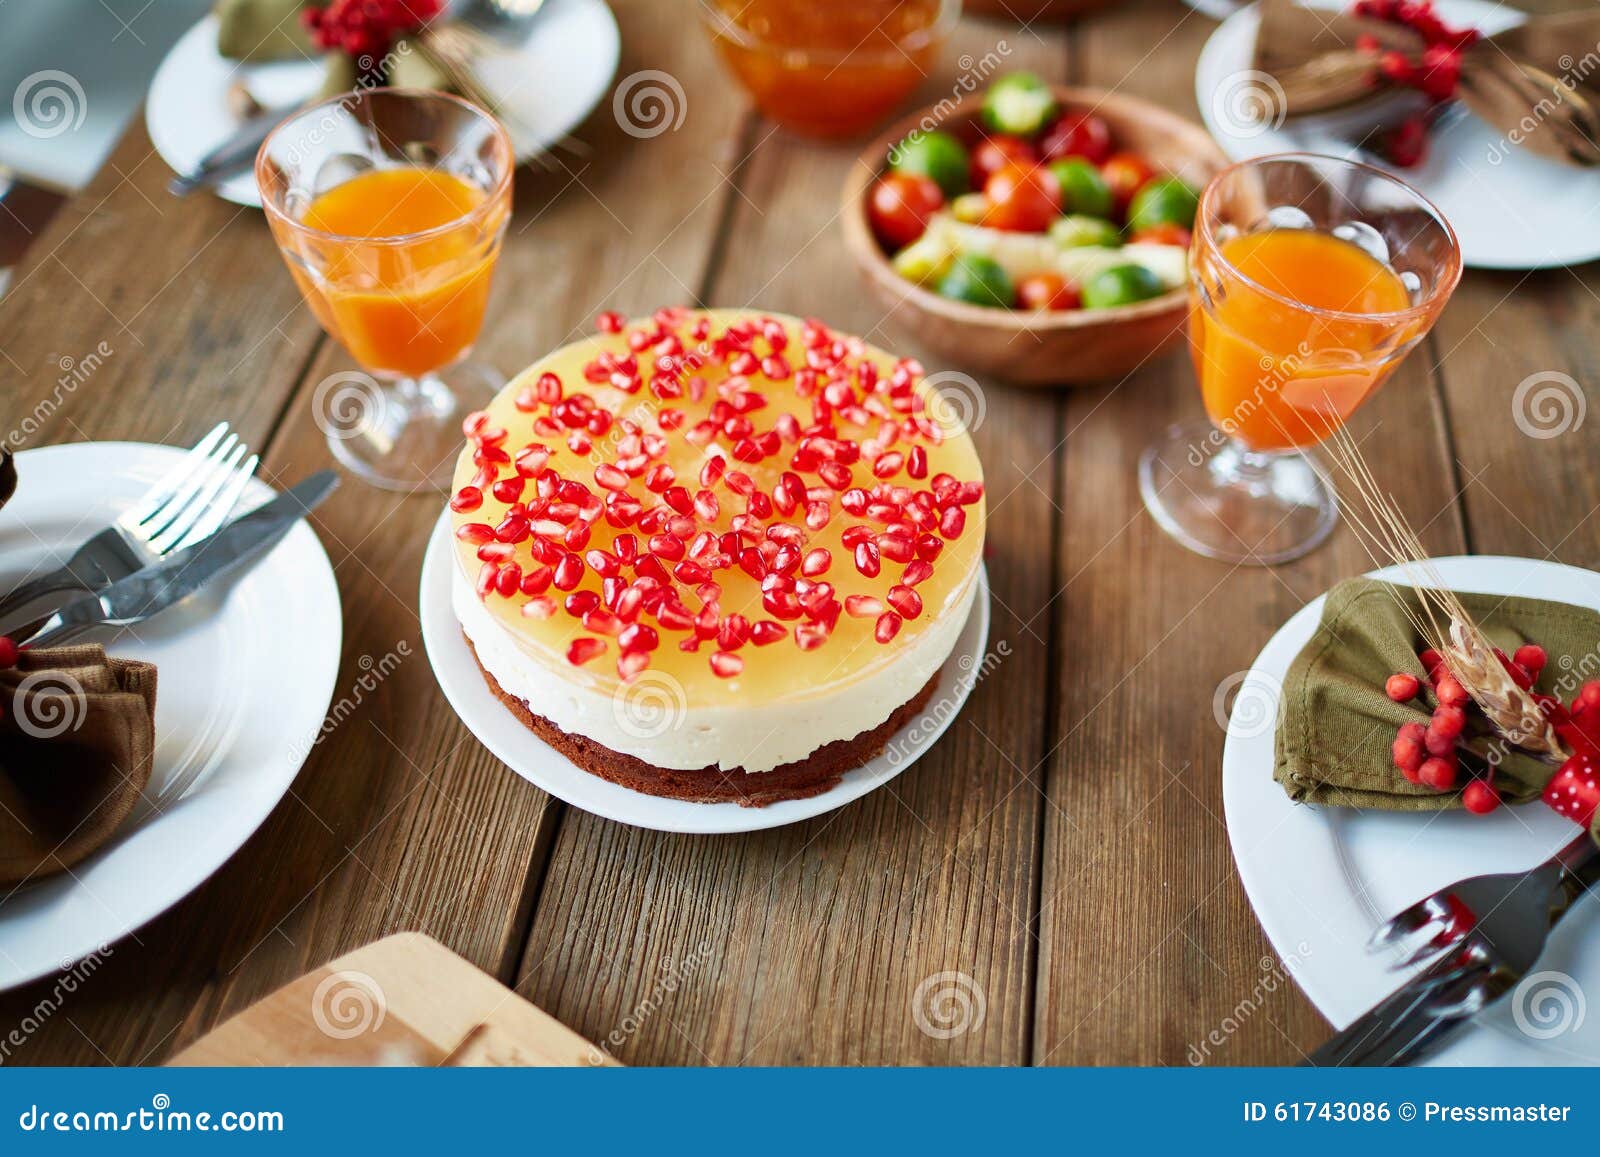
<point>1063,847</point>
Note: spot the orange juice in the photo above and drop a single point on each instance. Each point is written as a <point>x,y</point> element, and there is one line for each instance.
<point>1278,376</point>
<point>402,306</point>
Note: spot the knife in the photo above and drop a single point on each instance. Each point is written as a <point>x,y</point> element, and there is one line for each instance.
<point>235,154</point>
<point>182,573</point>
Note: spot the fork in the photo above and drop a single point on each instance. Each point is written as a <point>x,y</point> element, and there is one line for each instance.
<point>1486,933</point>
<point>189,503</point>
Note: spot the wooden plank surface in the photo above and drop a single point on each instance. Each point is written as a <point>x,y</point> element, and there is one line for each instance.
<point>1058,861</point>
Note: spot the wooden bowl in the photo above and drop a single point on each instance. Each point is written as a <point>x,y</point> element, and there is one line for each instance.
<point>1067,347</point>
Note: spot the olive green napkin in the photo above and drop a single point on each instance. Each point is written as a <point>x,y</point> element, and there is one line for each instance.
<point>259,30</point>
<point>77,738</point>
<point>1336,725</point>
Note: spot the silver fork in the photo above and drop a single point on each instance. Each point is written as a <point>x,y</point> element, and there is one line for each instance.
<point>187,504</point>
<point>1486,933</point>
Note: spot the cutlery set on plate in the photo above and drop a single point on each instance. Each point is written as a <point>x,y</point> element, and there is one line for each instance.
<point>171,543</point>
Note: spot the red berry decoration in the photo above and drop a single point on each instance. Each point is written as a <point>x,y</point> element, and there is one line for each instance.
<point>1448,721</point>
<point>366,27</point>
<point>1451,693</point>
<point>1408,755</point>
<point>1531,657</point>
<point>1402,687</point>
<point>1479,798</point>
<point>1438,773</point>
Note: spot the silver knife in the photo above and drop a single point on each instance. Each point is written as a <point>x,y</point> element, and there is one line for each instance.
<point>233,155</point>
<point>182,573</point>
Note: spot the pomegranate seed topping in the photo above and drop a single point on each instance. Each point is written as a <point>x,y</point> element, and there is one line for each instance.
<point>895,548</point>
<point>765,632</point>
<point>854,501</point>
<point>603,563</point>
<point>834,474</point>
<point>928,547</point>
<point>582,650</point>
<point>905,600</point>
<point>862,606</point>
<point>609,322</point>
<point>513,529</point>
<point>781,604</point>
<point>580,603</point>
<point>726,665</point>
<point>487,573</point>
<point>630,664</point>
<point>568,572</point>
<point>888,465</point>
<point>816,562</point>
<point>733,632</point>
<point>706,505</point>
<point>577,537</point>
<point>508,579</point>
<point>785,561</point>
<point>712,470</point>
<point>740,483</point>
<point>666,546</point>
<point>531,459</point>
<point>969,493</point>
<point>638,637</point>
<point>887,627</point>
<point>496,551</point>
<point>609,477</point>
<point>1402,687</point>
<point>678,498</point>
<point>537,580</point>
<point>916,571</point>
<point>917,462</point>
<point>810,636</point>
<point>600,621</point>
<point>539,608</point>
<point>474,423</point>
<point>509,489</point>
<point>466,499</point>
<point>691,572</point>
<point>953,522</point>
<point>818,514</point>
<point>867,559</point>
<point>476,533</point>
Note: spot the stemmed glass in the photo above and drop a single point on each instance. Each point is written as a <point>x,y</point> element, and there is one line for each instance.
<point>389,206</point>
<point>1311,278</point>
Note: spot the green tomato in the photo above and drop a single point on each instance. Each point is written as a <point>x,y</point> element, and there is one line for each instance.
<point>937,156</point>
<point>1162,201</point>
<point>1019,103</point>
<point>1083,189</point>
<point>1084,232</point>
<point>970,208</point>
<point>979,281</point>
<point>1121,285</point>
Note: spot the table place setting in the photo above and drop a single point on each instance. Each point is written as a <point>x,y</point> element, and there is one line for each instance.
<point>830,470</point>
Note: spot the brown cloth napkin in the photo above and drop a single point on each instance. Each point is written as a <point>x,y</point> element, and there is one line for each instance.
<point>1537,84</point>
<point>1336,725</point>
<point>76,744</point>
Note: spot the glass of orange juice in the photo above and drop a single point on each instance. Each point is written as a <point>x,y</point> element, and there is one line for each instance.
<point>1310,279</point>
<point>829,68</point>
<point>389,206</point>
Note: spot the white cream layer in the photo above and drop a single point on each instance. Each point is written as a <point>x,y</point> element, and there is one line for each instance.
<point>651,723</point>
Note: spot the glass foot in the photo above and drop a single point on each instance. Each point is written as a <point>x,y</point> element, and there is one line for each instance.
<point>405,434</point>
<point>1225,501</point>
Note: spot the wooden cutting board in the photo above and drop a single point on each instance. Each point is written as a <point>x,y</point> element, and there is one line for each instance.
<point>403,1000</point>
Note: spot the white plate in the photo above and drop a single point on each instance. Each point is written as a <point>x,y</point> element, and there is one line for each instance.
<point>228,721</point>
<point>547,86</point>
<point>1322,879</point>
<point>1524,212</point>
<point>530,757</point>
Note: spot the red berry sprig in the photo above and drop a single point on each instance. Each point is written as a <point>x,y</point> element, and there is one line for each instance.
<point>368,28</point>
<point>1435,71</point>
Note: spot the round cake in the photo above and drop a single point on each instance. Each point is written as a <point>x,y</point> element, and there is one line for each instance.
<point>716,555</point>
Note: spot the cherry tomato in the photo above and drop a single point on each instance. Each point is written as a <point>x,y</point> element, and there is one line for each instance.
<point>899,205</point>
<point>1076,134</point>
<point>1124,173</point>
<point>1023,198</point>
<point>1047,291</point>
<point>990,154</point>
<point>1164,234</point>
